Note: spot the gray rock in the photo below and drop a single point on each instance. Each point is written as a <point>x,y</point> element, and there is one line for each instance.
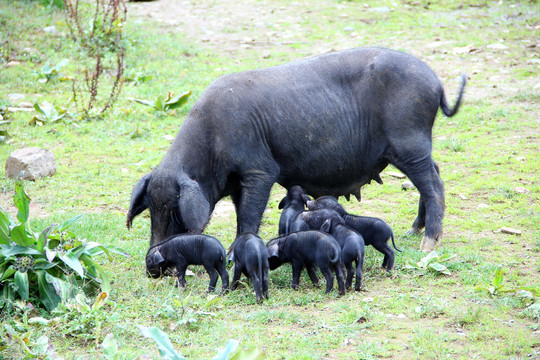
<point>35,162</point>
<point>50,30</point>
<point>407,185</point>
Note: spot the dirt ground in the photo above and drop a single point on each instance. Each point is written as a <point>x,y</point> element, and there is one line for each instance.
<point>226,25</point>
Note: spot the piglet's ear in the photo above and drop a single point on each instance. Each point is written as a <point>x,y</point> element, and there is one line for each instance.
<point>273,250</point>
<point>156,257</point>
<point>326,226</point>
<point>193,205</point>
<point>306,198</point>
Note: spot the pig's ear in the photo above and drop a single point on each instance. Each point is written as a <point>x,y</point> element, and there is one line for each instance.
<point>326,226</point>
<point>282,203</point>
<point>139,201</point>
<point>306,198</point>
<point>193,205</point>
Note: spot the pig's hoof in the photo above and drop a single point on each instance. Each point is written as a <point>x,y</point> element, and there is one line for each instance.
<point>428,244</point>
<point>414,231</point>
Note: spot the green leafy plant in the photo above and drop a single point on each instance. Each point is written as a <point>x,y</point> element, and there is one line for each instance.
<point>47,113</point>
<point>497,286</point>
<point>23,332</point>
<point>137,78</point>
<point>431,262</point>
<point>167,350</point>
<point>163,105</point>
<point>82,319</point>
<point>46,267</point>
<point>188,313</point>
<point>49,71</point>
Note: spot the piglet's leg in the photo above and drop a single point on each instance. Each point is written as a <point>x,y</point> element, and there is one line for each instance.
<point>213,278</point>
<point>224,276</point>
<point>312,272</point>
<point>236,276</point>
<point>181,276</point>
<point>265,283</point>
<point>340,279</point>
<point>350,275</point>
<point>296,271</point>
<point>329,277</point>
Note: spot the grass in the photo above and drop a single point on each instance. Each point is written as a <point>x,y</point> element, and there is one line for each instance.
<point>485,152</point>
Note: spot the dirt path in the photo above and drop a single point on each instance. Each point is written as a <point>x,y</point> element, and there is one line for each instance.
<point>236,26</point>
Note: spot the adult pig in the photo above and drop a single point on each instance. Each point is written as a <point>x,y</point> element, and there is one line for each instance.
<point>329,123</point>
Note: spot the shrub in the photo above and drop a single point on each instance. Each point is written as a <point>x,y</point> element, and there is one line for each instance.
<point>46,267</point>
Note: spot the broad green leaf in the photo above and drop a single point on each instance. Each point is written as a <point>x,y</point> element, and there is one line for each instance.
<point>73,262</point>
<point>445,257</point>
<point>161,339</point>
<point>5,224</point>
<point>426,260</point>
<point>22,202</point>
<point>231,347</point>
<point>41,346</point>
<point>39,320</point>
<point>68,223</point>
<point>21,280</point>
<point>62,288</point>
<point>178,101</point>
<point>9,251</point>
<point>250,354</point>
<point>145,102</point>
<point>39,109</point>
<point>497,280</point>
<point>109,346</point>
<point>42,238</point>
<point>47,293</point>
<point>45,265</point>
<point>105,282</point>
<point>21,237</point>
<point>61,64</point>
<point>160,104</point>
<point>440,268</point>
<point>80,299</point>
<point>7,274</point>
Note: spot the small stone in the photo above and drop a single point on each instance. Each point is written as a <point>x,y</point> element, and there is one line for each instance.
<point>15,97</point>
<point>497,46</point>
<point>464,50</point>
<point>50,30</point>
<point>13,63</point>
<point>463,197</point>
<point>482,206</point>
<point>396,174</point>
<point>510,231</point>
<point>407,185</point>
<point>401,316</point>
<point>189,273</point>
<point>26,105</point>
<point>348,29</point>
<point>169,138</point>
<point>35,162</point>
<point>521,190</point>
